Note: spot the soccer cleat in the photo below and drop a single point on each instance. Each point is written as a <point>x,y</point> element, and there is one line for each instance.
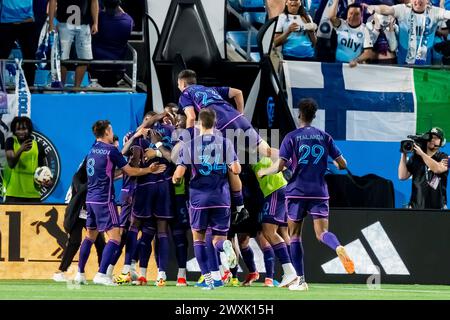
<point>161,282</point>
<point>227,276</point>
<point>209,283</point>
<point>299,285</point>
<point>59,277</point>
<point>200,281</point>
<point>141,281</point>
<point>80,278</point>
<point>216,284</point>
<point>181,282</point>
<point>276,283</point>
<point>288,278</point>
<point>240,216</point>
<point>251,277</point>
<point>345,259</point>
<point>268,282</point>
<point>234,282</point>
<point>123,278</point>
<point>229,252</point>
<point>133,275</point>
<point>103,279</point>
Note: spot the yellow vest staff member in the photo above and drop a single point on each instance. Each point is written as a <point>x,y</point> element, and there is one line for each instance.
<point>23,156</point>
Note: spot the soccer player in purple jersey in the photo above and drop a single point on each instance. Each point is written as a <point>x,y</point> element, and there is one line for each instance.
<point>102,216</point>
<point>196,97</point>
<point>307,192</point>
<point>209,157</point>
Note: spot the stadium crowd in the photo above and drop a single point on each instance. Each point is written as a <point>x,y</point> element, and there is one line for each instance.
<point>408,32</point>
<point>87,30</point>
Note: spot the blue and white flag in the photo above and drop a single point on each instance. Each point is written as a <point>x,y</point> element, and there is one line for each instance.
<point>23,96</point>
<point>366,103</point>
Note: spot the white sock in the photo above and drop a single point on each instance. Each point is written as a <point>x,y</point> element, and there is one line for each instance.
<point>126,268</point>
<point>133,265</point>
<point>239,208</point>
<point>216,275</point>
<point>143,272</point>
<point>162,275</point>
<point>181,273</point>
<point>288,268</point>
<point>222,270</point>
<point>110,270</point>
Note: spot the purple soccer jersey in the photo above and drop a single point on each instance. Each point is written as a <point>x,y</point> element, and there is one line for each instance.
<point>102,161</point>
<point>208,157</point>
<point>308,148</point>
<point>200,97</point>
<point>166,133</point>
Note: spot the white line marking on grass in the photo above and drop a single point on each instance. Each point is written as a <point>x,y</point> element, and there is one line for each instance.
<point>381,289</point>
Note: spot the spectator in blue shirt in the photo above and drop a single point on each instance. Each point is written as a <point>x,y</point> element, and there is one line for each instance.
<point>295,32</point>
<point>17,23</point>
<point>110,43</point>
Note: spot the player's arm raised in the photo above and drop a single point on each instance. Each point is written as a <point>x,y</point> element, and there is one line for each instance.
<point>238,97</point>
<point>139,132</point>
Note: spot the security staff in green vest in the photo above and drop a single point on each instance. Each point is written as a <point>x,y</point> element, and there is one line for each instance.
<point>23,157</point>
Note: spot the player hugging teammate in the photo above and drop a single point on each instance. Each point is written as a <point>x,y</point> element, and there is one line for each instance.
<point>196,170</point>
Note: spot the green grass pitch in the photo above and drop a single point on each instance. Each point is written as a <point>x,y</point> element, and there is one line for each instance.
<point>49,290</point>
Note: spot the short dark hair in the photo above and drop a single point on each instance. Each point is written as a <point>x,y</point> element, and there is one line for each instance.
<point>21,121</point>
<point>115,138</point>
<point>150,114</point>
<point>355,5</point>
<point>189,76</point>
<point>308,108</point>
<point>99,128</point>
<point>111,4</point>
<point>207,118</point>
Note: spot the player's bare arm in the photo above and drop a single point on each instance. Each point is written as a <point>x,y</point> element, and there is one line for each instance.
<point>190,116</point>
<point>154,168</point>
<point>178,174</point>
<point>238,97</point>
<point>235,167</point>
<point>276,167</point>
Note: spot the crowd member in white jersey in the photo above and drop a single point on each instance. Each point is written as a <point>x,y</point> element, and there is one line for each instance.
<point>354,44</point>
<point>418,22</point>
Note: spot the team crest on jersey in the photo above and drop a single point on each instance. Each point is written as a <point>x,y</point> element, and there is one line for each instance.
<point>360,35</point>
<point>51,160</point>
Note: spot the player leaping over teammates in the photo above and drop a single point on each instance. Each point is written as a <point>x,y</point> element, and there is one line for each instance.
<point>196,97</point>
<point>210,157</point>
<point>308,148</point>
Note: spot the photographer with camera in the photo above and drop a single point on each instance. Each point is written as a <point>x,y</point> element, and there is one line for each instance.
<point>428,168</point>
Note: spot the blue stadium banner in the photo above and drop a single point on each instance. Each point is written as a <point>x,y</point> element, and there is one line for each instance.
<point>65,121</point>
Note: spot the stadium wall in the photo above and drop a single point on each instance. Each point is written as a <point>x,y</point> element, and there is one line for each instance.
<point>32,240</point>
<point>397,246</point>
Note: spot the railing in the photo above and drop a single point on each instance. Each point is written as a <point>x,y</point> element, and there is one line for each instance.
<point>250,28</point>
<point>132,81</point>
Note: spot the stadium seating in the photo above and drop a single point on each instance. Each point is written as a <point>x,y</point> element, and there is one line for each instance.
<point>257,19</point>
<point>252,5</point>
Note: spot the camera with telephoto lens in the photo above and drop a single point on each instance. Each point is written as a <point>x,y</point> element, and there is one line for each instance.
<point>421,140</point>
